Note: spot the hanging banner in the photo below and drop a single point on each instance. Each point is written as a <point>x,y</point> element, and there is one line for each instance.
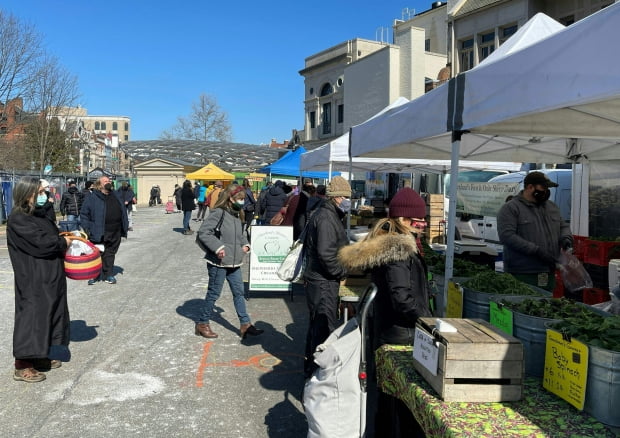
<point>270,244</point>
<point>484,199</point>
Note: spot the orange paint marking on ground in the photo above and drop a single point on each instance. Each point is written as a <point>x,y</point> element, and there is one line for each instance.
<point>203,364</point>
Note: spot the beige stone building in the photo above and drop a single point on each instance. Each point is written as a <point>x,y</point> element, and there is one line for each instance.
<point>162,172</point>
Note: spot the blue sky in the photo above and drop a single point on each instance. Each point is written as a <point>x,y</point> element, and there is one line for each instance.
<point>150,60</point>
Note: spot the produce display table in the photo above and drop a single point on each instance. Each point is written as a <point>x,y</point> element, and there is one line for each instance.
<point>538,414</point>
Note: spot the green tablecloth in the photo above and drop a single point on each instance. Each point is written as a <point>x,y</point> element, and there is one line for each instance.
<point>539,414</point>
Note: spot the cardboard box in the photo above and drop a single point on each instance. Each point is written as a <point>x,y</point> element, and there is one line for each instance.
<point>478,363</point>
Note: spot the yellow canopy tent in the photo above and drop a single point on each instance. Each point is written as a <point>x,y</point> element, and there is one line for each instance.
<point>211,173</point>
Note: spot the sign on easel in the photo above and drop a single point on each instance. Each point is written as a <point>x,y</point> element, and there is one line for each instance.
<point>270,244</point>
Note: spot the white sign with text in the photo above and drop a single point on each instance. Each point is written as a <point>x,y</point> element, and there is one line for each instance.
<point>425,351</point>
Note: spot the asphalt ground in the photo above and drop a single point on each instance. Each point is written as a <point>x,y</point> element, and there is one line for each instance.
<point>135,367</point>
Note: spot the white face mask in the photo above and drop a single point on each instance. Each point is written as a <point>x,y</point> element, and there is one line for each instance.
<point>345,205</point>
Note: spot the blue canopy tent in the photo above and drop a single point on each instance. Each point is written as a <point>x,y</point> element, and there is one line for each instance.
<point>290,165</point>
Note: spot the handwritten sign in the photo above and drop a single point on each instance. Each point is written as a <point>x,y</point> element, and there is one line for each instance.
<point>425,351</point>
<point>501,317</point>
<point>566,368</point>
<point>483,198</point>
<point>454,306</point>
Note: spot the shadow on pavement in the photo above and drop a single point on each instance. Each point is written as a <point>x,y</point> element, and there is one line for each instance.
<point>191,309</point>
<point>282,416</point>
<point>80,331</point>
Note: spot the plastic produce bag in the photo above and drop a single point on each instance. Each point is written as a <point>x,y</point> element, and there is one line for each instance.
<point>574,275</point>
<point>78,248</point>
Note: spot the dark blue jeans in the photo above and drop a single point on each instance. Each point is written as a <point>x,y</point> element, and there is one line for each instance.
<point>217,275</point>
<point>187,215</point>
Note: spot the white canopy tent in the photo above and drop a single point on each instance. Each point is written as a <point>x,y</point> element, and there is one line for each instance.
<point>557,100</point>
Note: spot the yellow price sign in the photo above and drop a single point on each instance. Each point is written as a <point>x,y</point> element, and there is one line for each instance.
<point>454,306</point>
<point>566,368</point>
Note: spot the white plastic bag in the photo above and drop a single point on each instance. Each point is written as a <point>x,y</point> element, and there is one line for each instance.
<point>294,264</point>
<point>78,248</point>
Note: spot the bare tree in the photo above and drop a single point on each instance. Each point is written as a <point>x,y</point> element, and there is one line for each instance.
<point>53,90</point>
<point>207,121</point>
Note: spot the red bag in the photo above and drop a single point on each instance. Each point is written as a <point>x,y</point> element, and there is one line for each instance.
<point>278,218</point>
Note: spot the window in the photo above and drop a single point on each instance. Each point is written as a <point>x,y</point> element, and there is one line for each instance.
<point>327,118</point>
<point>327,90</point>
<point>126,138</point>
<point>506,32</point>
<point>467,54</point>
<point>487,45</point>
<point>340,82</point>
<point>96,126</point>
<point>312,119</point>
<point>126,126</point>
<point>114,126</point>
<point>103,128</point>
<point>427,45</point>
<point>340,113</point>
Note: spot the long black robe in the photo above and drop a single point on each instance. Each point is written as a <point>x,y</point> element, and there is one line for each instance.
<point>41,312</point>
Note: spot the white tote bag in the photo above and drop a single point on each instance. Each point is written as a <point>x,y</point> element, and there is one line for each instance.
<point>294,264</point>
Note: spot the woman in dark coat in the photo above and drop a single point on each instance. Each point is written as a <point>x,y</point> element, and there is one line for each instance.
<point>391,252</point>
<point>36,251</point>
<point>188,205</point>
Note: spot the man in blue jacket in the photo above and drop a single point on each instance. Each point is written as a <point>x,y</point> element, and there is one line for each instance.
<point>104,218</point>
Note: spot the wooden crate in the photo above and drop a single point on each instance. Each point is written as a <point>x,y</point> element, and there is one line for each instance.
<point>434,199</point>
<point>478,363</point>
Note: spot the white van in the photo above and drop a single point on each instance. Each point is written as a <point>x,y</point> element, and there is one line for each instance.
<point>485,228</point>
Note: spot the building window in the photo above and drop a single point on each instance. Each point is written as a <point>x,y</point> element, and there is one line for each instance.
<point>311,91</point>
<point>312,119</point>
<point>103,128</point>
<point>96,126</point>
<point>126,126</point>
<point>126,138</point>
<point>487,45</point>
<point>340,113</point>
<point>506,32</point>
<point>327,118</point>
<point>427,45</point>
<point>327,90</point>
<point>114,126</point>
<point>467,54</point>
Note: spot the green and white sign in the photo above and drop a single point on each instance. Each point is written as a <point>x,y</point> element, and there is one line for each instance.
<point>270,244</point>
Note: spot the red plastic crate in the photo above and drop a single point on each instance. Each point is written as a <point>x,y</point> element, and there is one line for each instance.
<point>595,295</point>
<point>599,252</point>
<point>558,290</point>
<point>579,246</point>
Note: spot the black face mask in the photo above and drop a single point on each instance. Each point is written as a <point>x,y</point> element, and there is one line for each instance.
<point>541,196</point>
<point>108,187</point>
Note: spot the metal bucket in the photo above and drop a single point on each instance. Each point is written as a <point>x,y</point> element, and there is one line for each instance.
<point>603,387</point>
<point>476,304</point>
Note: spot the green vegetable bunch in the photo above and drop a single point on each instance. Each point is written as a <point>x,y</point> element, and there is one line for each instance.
<point>552,308</point>
<point>498,283</point>
<point>461,268</point>
<point>596,330</point>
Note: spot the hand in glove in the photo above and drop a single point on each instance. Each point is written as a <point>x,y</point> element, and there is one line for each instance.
<point>545,256</point>
<point>566,243</point>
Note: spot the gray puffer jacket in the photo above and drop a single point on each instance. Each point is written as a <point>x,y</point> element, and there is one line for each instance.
<point>523,228</point>
<point>232,239</point>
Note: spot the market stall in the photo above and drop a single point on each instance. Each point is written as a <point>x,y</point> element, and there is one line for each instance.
<point>539,413</point>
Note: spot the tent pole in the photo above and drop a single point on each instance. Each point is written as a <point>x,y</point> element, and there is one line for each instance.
<point>454,175</point>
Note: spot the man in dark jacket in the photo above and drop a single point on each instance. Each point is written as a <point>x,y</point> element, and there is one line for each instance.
<point>104,218</point>
<point>532,231</point>
<point>70,205</point>
<point>126,194</point>
<point>325,236</point>
<point>273,200</point>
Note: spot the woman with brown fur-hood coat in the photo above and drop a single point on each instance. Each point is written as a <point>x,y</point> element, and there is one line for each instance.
<point>390,252</point>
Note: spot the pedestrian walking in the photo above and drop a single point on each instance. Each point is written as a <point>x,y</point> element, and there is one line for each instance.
<point>104,219</point>
<point>222,235</point>
<point>201,199</point>
<point>177,196</point>
<point>127,196</point>
<point>70,204</point>
<point>36,251</point>
<point>188,204</point>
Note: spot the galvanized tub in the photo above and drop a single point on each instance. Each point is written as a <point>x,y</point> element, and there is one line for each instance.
<point>603,387</point>
<point>476,304</point>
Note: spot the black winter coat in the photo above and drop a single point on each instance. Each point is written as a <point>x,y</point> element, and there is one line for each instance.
<point>187,199</point>
<point>41,312</point>
<point>71,202</point>
<point>272,202</point>
<point>400,274</point>
<point>325,236</point>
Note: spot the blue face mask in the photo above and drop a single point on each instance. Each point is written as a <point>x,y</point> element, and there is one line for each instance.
<point>345,205</point>
<point>41,199</point>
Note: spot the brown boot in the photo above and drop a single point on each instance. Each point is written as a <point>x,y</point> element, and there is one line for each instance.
<point>249,329</point>
<point>204,330</point>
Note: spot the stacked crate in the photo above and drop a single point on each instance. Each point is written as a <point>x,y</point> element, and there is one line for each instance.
<point>435,216</point>
<point>595,255</point>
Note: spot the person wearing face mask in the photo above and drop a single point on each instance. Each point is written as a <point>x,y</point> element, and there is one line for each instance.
<point>104,218</point>
<point>222,234</point>
<point>532,231</point>
<point>391,252</point>
<point>325,236</point>
<point>45,201</point>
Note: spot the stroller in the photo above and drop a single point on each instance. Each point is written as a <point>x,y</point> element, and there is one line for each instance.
<point>335,396</point>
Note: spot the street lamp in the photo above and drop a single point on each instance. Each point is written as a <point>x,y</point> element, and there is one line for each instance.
<point>86,161</point>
